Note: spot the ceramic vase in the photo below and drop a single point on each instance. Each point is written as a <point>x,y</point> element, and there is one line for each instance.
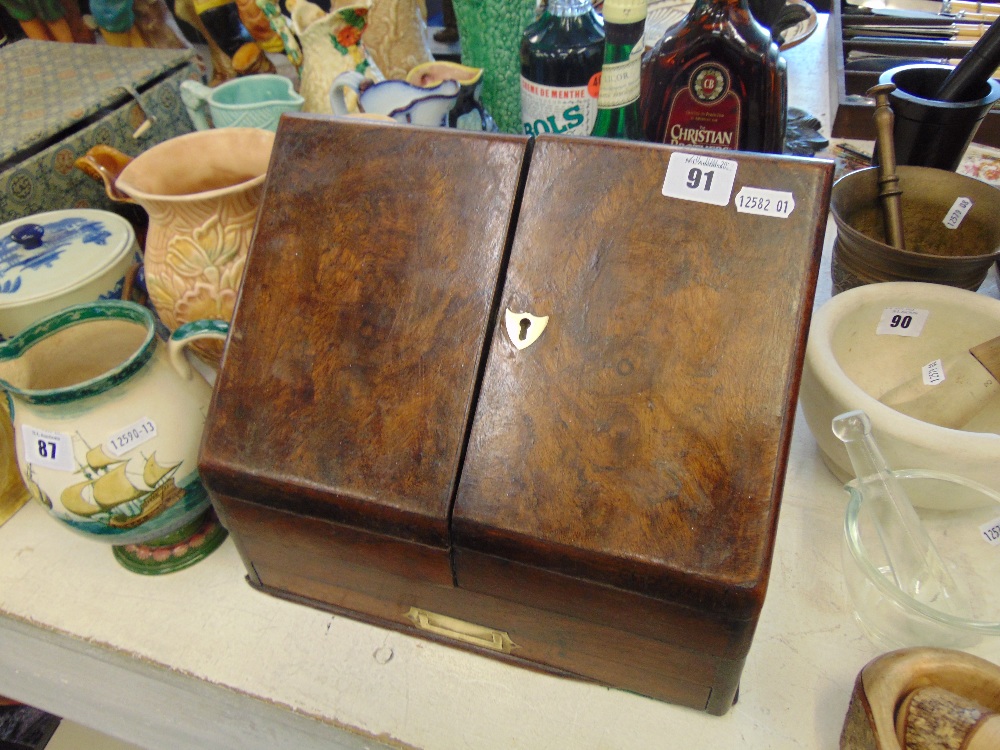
<point>396,36</point>
<point>491,33</point>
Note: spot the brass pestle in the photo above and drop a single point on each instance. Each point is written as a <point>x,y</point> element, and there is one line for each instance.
<point>888,182</point>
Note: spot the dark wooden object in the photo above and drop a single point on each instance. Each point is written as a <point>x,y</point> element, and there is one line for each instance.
<point>610,511</point>
<point>852,110</point>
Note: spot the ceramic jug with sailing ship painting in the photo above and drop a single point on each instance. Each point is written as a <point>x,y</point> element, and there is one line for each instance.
<point>107,424</point>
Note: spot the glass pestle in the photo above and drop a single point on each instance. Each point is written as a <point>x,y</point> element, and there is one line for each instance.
<point>916,566</point>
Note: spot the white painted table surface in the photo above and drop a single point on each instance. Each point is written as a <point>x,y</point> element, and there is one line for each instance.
<point>198,659</point>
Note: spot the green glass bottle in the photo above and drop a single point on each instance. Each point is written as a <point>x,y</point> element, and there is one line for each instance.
<point>561,56</point>
<point>621,74</point>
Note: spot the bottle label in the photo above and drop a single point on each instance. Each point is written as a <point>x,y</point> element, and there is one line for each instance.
<point>558,109</point>
<point>707,112</point>
<point>620,82</point>
<point>624,11</point>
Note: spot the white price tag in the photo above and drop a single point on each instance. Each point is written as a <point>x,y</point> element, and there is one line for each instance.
<point>703,179</point>
<point>991,531</point>
<point>131,437</point>
<point>933,372</point>
<point>957,212</point>
<point>777,203</point>
<point>902,321</point>
<point>53,450</point>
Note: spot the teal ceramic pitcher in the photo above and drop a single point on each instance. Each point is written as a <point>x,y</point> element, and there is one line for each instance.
<point>255,101</point>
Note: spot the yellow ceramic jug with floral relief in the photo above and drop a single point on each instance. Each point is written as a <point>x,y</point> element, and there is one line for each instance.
<point>330,44</point>
<point>201,191</point>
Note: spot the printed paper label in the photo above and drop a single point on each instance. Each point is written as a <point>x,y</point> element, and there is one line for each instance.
<point>763,202</point>
<point>620,81</point>
<point>704,179</point>
<point>53,450</point>
<point>902,321</point>
<point>706,112</point>
<point>131,437</point>
<point>933,373</point>
<point>991,531</point>
<point>558,109</point>
<point>957,212</point>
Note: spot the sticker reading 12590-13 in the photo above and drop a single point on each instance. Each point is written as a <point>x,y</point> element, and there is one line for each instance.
<point>704,179</point>
<point>777,203</point>
<point>53,450</point>
<point>131,437</point>
<point>902,321</point>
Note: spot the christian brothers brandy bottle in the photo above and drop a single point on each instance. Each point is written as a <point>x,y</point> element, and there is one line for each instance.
<point>618,101</point>
<point>716,80</point>
<point>561,56</point>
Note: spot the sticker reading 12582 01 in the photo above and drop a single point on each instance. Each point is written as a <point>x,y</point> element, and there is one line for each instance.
<point>778,203</point>
<point>53,450</point>
<point>991,531</point>
<point>902,321</point>
<point>703,179</point>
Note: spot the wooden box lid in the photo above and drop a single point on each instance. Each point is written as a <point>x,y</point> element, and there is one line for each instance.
<point>641,441</point>
<point>349,377</point>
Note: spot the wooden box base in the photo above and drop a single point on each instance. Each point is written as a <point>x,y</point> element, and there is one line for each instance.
<point>318,563</point>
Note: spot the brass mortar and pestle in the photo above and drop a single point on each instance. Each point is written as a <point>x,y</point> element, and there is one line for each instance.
<point>918,223</point>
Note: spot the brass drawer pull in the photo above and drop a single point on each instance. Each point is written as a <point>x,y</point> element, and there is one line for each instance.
<point>460,630</point>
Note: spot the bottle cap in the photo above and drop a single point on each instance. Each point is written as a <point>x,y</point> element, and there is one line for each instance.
<point>624,11</point>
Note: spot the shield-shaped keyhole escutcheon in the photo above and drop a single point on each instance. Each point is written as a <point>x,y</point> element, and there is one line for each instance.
<point>524,328</point>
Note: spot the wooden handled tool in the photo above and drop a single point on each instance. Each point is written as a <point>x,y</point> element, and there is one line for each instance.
<point>965,6</point>
<point>952,391</point>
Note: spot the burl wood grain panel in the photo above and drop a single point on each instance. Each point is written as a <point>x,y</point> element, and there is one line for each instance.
<point>349,377</point>
<point>641,442</point>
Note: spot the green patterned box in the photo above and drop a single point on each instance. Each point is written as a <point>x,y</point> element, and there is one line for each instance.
<point>57,100</point>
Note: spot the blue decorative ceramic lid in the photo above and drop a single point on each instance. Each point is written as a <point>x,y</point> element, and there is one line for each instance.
<point>48,254</point>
